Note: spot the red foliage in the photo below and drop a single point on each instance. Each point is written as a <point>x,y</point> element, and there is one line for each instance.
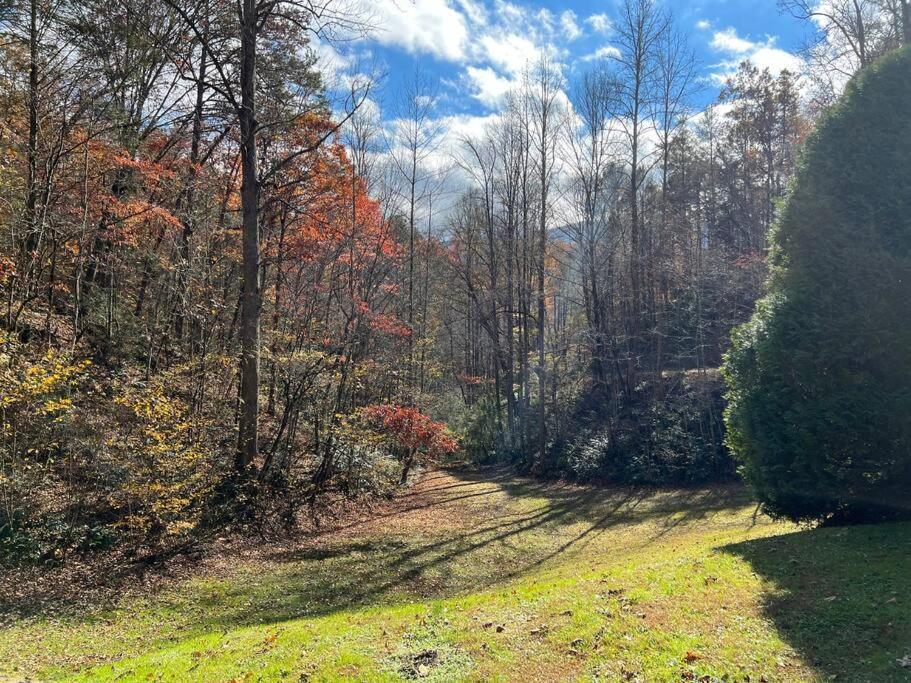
<point>411,430</point>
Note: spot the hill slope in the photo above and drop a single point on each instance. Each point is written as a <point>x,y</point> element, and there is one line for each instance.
<point>493,577</point>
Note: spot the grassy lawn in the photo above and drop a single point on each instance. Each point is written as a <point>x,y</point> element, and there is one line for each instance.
<point>491,577</point>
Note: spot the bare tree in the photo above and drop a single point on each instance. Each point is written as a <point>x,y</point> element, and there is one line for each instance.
<point>641,30</point>
<point>415,138</point>
<point>546,116</point>
<point>595,185</point>
<point>847,35</point>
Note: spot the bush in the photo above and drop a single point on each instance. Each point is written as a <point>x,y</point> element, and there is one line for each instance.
<point>403,432</point>
<point>483,437</point>
<point>676,441</point>
<point>820,378</point>
<point>166,462</point>
<point>136,465</point>
<point>36,420</point>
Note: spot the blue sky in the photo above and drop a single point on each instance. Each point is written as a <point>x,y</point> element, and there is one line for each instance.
<point>474,50</point>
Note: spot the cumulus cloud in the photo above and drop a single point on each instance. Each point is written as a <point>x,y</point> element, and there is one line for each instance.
<point>727,40</point>
<point>487,86</point>
<point>509,52</point>
<point>424,27</point>
<point>600,23</point>
<point>602,53</point>
<point>568,25</point>
<point>493,41</point>
<point>763,54</point>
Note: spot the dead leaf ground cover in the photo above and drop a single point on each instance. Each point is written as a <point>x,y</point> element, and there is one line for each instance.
<point>487,576</point>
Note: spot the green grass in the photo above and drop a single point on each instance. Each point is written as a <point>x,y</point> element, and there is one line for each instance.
<point>497,578</point>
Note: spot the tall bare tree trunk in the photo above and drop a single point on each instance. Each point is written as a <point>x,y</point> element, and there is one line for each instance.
<point>906,22</point>
<point>542,249</point>
<point>248,438</point>
<point>190,193</point>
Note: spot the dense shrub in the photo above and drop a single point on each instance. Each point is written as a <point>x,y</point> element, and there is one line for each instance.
<point>483,434</point>
<point>677,439</point>
<point>406,434</point>
<point>36,419</point>
<point>90,458</point>
<point>674,441</point>
<point>820,378</point>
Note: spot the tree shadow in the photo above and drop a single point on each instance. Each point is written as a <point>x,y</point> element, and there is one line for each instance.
<point>840,596</point>
<point>501,544</point>
<point>514,525</point>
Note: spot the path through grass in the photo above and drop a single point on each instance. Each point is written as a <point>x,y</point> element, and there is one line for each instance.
<point>493,577</point>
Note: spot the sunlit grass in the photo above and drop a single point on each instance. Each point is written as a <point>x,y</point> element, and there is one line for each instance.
<point>496,578</point>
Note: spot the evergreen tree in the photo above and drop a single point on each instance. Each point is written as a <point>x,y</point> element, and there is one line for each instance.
<point>820,378</point>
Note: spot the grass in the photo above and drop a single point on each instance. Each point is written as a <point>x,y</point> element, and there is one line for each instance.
<point>492,577</point>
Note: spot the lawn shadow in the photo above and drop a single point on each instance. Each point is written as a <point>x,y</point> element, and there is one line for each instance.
<point>519,525</point>
<point>841,597</point>
<point>512,525</point>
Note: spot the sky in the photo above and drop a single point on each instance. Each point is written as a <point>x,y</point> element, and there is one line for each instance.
<point>473,51</point>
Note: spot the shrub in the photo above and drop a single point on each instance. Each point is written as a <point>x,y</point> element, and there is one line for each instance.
<point>676,441</point>
<point>820,378</point>
<point>135,465</point>
<point>166,463</point>
<point>409,435</point>
<point>36,419</point>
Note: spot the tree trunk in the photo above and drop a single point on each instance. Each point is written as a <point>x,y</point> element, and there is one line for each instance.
<point>542,374</point>
<point>906,22</point>
<point>248,438</point>
<point>190,193</point>
<point>31,199</point>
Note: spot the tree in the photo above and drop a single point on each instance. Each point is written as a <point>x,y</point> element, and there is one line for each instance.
<point>547,120</point>
<point>820,413</point>
<point>415,139</point>
<point>409,434</point>
<point>641,34</point>
<point>595,187</point>
<point>235,55</point>
<point>849,35</point>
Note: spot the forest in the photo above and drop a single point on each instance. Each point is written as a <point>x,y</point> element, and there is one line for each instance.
<point>304,377</point>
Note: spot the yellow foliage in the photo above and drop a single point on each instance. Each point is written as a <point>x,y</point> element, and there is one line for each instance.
<point>34,396</point>
<point>167,461</point>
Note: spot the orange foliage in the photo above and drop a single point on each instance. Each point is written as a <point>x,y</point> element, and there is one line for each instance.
<point>411,430</point>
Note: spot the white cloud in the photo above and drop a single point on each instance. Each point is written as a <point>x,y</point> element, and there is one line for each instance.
<point>510,52</point>
<point>468,126</point>
<point>602,53</point>
<point>423,27</point>
<point>703,25</point>
<point>776,60</point>
<point>728,41</point>
<point>764,55</point>
<point>568,25</point>
<point>330,61</point>
<point>545,18</point>
<point>600,23</point>
<point>475,11</point>
<point>488,87</point>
